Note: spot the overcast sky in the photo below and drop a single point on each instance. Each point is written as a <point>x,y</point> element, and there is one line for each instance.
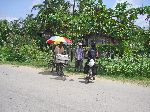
<point>14,9</point>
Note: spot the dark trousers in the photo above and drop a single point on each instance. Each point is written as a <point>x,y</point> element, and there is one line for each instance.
<point>78,65</point>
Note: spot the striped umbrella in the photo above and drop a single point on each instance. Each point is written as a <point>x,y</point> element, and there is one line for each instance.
<point>58,39</point>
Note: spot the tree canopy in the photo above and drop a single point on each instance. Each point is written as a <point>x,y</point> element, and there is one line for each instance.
<point>88,17</point>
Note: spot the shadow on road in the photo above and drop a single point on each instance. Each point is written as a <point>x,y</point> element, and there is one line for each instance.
<point>59,78</point>
<point>86,83</point>
<point>63,78</point>
<point>81,78</point>
<point>48,73</point>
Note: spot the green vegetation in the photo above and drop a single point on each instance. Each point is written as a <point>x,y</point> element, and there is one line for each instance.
<point>126,67</point>
<point>21,40</point>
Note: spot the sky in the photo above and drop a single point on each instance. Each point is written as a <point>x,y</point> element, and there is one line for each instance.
<point>15,9</point>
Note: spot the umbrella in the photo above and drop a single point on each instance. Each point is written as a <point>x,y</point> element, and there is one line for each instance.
<point>58,39</point>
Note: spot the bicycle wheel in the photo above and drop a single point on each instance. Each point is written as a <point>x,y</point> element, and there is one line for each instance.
<point>58,68</point>
<point>87,79</point>
<point>61,69</point>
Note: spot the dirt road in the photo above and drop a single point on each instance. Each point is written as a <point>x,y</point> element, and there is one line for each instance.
<point>26,89</point>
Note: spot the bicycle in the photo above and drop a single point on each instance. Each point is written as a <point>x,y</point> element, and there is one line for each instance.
<point>59,69</point>
<point>61,61</point>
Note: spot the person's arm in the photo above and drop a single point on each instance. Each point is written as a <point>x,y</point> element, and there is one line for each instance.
<point>97,54</point>
<point>63,50</point>
<point>56,50</point>
<point>86,53</point>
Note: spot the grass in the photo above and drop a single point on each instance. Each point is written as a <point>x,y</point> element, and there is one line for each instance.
<point>134,80</point>
<point>70,71</point>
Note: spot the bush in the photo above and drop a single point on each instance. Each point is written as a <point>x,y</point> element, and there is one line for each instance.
<point>6,53</point>
<point>24,54</point>
<point>126,67</point>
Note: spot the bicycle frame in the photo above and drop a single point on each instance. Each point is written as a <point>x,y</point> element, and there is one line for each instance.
<point>59,69</point>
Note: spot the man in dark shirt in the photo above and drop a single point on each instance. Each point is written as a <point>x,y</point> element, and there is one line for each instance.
<point>92,54</point>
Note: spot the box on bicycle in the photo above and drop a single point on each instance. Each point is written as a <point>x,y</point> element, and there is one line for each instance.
<point>62,58</point>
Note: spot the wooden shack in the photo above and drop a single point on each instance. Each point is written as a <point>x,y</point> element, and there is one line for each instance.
<point>99,39</point>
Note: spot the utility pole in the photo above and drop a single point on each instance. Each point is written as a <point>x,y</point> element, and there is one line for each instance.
<point>148,19</point>
<point>149,23</point>
<point>74,3</point>
<point>71,51</point>
<point>73,14</point>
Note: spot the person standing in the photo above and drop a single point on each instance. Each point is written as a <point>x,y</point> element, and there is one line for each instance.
<point>79,55</point>
<point>59,50</point>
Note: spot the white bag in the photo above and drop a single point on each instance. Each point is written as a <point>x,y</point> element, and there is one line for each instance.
<point>62,58</point>
<point>91,63</point>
